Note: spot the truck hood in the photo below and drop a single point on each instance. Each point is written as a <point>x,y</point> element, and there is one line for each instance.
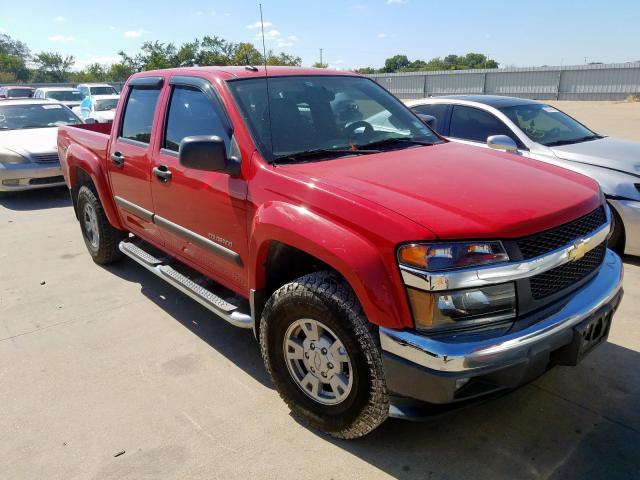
<point>457,191</point>
<point>30,140</point>
<point>607,152</point>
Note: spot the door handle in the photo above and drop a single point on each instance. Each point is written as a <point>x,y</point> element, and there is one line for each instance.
<point>117,159</point>
<point>162,173</point>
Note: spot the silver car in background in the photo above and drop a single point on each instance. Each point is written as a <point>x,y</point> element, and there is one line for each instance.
<point>67,96</point>
<point>542,132</point>
<point>28,143</point>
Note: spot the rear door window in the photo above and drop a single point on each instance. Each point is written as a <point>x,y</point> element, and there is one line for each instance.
<point>138,114</point>
<point>436,110</point>
<point>191,112</point>
<point>468,123</point>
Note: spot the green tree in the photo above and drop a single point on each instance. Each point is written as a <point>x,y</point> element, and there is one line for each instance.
<point>395,63</point>
<point>14,56</point>
<point>246,54</point>
<point>320,65</point>
<point>53,67</point>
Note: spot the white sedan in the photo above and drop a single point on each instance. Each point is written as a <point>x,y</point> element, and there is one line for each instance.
<point>99,108</point>
<point>28,143</point>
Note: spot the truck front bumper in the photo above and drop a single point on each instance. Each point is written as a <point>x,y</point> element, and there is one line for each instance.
<point>28,176</point>
<point>452,368</point>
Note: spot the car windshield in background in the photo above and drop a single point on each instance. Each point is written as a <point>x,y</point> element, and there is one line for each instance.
<point>547,125</point>
<point>106,104</point>
<point>319,114</point>
<point>19,93</point>
<point>103,91</point>
<point>15,117</point>
<point>65,95</point>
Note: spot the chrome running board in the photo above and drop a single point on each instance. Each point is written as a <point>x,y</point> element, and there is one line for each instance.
<point>206,298</point>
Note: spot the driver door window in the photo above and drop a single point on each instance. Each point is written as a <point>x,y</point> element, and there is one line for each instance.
<point>468,123</point>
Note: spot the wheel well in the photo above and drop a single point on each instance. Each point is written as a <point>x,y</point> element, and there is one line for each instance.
<point>283,264</point>
<point>82,178</point>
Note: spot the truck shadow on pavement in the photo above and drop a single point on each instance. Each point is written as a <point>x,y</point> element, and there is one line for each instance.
<point>237,344</point>
<point>56,197</point>
<point>571,423</point>
<point>581,422</point>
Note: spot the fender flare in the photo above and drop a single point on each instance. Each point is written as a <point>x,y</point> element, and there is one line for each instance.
<point>79,158</point>
<point>350,254</point>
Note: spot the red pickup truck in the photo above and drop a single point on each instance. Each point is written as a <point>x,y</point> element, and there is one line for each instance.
<point>383,270</point>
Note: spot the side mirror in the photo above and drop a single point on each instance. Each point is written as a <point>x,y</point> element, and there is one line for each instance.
<point>502,142</point>
<point>429,120</point>
<point>90,121</point>
<point>205,152</point>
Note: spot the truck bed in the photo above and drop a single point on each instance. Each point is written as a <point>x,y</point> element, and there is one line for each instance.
<point>87,141</point>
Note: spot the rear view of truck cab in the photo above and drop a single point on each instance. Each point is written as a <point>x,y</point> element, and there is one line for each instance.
<point>383,269</point>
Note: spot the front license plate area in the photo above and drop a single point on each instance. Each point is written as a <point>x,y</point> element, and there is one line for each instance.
<point>586,337</point>
<point>592,333</point>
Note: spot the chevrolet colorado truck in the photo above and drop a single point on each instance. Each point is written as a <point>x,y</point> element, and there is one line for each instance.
<point>384,270</point>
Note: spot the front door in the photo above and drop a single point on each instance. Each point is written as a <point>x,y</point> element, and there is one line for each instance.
<point>129,161</point>
<point>201,214</point>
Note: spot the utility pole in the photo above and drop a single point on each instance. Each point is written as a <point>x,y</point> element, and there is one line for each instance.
<point>321,57</point>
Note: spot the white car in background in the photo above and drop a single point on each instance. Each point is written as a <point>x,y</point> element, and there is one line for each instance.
<point>99,109</point>
<point>28,143</point>
<point>65,95</point>
<point>542,132</point>
<point>92,89</point>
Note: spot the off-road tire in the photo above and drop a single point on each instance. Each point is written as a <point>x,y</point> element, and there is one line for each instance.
<point>326,297</point>
<point>617,238</point>
<point>107,250</point>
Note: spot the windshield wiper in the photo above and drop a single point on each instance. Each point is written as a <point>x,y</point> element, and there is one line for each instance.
<point>395,141</point>
<point>557,143</point>
<point>320,152</point>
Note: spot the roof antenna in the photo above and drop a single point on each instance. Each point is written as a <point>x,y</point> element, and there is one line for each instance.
<point>266,79</point>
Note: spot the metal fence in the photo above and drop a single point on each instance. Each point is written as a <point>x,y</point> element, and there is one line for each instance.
<point>615,81</point>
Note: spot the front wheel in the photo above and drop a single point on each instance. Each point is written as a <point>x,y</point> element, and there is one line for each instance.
<point>99,236</point>
<point>617,238</point>
<point>323,356</point>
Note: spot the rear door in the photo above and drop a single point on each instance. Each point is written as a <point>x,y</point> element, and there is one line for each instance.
<point>130,157</point>
<point>201,214</point>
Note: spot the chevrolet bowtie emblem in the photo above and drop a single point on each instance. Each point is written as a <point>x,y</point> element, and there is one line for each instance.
<point>578,250</point>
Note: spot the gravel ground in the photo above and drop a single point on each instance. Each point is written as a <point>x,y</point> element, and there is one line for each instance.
<point>99,361</point>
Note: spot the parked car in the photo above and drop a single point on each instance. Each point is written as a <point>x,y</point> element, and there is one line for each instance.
<point>67,96</point>
<point>91,89</point>
<point>378,268</point>
<point>28,152</point>
<point>536,130</point>
<point>100,108</point>
<point>18,91</point>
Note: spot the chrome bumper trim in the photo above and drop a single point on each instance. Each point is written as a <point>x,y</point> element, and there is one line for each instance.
<point>448,355</point>
<point>505,272</point>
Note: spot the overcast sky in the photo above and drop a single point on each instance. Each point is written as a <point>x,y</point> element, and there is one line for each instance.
<point>352,34</point>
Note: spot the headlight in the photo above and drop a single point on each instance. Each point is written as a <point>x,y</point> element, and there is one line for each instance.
<point>462,308</point>
<point>11,158</point>
<point>445,256</point>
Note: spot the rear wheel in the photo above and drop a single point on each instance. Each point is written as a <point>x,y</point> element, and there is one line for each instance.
<point>323,356</point>
<point>99,236</point>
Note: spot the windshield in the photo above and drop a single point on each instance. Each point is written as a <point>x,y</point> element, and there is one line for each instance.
<point>103,91</point>
<point>312,113</point>
<point>547,125</point>
<point>64,95</point>
<point>15,117</point>
<point>19,93</point>
<point>106,104</point>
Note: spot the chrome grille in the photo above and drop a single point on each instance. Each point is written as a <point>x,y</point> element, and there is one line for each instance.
<point>566,275</point>
<point>550,240</point>
<point>45,157</point>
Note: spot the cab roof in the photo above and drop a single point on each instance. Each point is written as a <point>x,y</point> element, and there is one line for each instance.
<point>233,72</point>
<point>27,101</point>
